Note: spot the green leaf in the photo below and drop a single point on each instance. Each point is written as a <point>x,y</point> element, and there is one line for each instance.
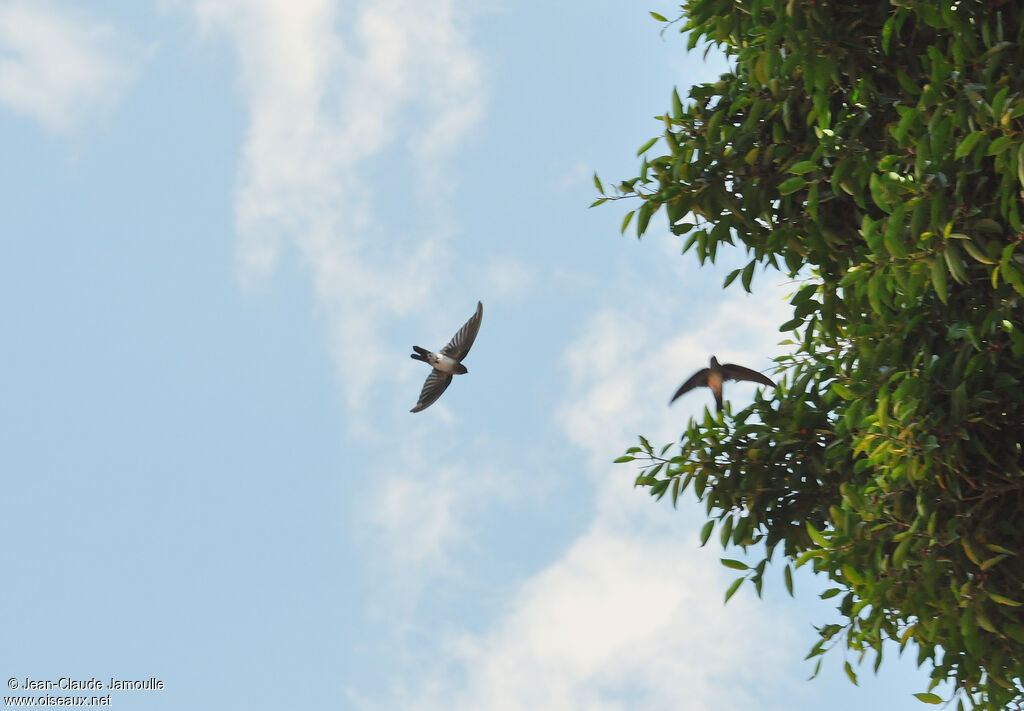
<point>597,184</point>
<point>644,218</point>
<point>787,574</point>
<point>735,564</point>
<point>733,588</point>
<point>997,548</point>
<point>966,145</point>
<point>791,325</point>
<point>843,392</point>
<point>816,535</point>
<point>1015,632</point>
<point>899,556</point>
<point>725,535</point>
<point>908,86</point>
<point>1020,167</point>
<point>894,245</point>
<point>852,575</point>
<point>928,698</point>
<point>984,622</point>
<point>643,149</point>
<point>1013,276</point>
<point>657,16</point>
<point>705,532</point>
<point>792,185</point>
<point>975,252</point>
<point>953,261</point>
<point>879,194</point>
<point>850,673</point>
<point>958,402</point>
<point>624,458</point>
<point>748,274</point>
<point>999,145</point>
<point>968,547</point>
<point>804,166</point>
<point>938,272</point>
<point>1003,600</point>
<point>876,289</point>
<point>625,221</point>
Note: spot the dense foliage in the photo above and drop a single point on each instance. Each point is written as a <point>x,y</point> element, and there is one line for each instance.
<point>874,151</point>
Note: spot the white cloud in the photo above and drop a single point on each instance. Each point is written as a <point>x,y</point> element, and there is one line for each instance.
<point>335,92</point>
<point>419,516</point>
<point>417,519</point>
<point>509,278</point>
<point>59,67</point>
<point>631,616</point>
<point>622,620</point>
<point>575,176</point>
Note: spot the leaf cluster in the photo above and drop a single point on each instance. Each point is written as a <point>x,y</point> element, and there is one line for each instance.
<point>875,151</point>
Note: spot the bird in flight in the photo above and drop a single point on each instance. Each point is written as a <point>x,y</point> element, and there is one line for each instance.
<point>448,362</point>
<point>715,374</point>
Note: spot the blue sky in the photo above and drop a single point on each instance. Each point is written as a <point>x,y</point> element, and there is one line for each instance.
<point>225,224</point>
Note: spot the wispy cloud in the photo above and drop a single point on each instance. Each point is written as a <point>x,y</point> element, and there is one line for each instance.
<point>509,278</point>
<point>419,517</point>
<point>59,66</point>
<point>354,110</point>
<point>335,93</point>
<point>623,620</point>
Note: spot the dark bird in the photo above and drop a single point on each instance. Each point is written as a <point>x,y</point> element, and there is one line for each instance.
<point>448,362</point>
<point>714,375</point>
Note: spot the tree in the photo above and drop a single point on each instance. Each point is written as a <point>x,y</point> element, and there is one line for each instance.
<point>873,151</point>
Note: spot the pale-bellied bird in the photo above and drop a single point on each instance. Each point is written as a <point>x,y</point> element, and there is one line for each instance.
<point>448,361</point>
<point>715,374</point>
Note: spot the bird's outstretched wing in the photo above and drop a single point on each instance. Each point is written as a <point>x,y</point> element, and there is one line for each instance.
<point>696,380</point>
<point>458,347</point>
<point>731,371</point>
<point>437,382</point>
